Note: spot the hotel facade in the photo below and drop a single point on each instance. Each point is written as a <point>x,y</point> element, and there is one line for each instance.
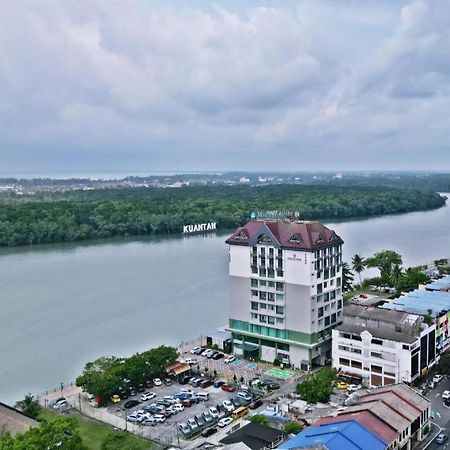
<point>285,291</point>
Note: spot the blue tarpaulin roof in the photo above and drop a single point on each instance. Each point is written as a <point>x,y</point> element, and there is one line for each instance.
<point>419,302</point>
<point>443,283</point>
<point>345,435</point>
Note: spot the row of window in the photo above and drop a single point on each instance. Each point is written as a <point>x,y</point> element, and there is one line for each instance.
<point>267,273</point>
<point>331,262</point>
<point>271,320</point>
<point>279,286</point>
<point>325,285</point>
<point>327,251</point>
<point>328,296</point>
<point>324,322</point>
<point>327,273</point>
<point>270,251</point>
<point>322,310</point>
<point>257,306</point>
<point>358,365</point>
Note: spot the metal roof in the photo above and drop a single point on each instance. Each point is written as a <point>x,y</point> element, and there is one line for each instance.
<point>443,283</point>
<point>346,434</point>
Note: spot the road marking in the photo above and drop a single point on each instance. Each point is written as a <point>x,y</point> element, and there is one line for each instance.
<point>437,395</point>
<point>438,414</point>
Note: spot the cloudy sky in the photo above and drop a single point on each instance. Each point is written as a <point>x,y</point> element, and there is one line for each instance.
<point>229,85</point>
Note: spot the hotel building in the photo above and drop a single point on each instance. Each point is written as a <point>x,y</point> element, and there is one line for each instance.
<point>285,290</point>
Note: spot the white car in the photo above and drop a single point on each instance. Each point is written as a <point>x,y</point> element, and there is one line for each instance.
<point>437,378</point>
<point>147,396</point>
<point>194,350</point>
<point>229,359</point>
<point>159,418</point>
<point>353,387</point>
<point>228,405</point>
<point>446,395</point>
<point>178,407</point>
<point>214,412</point>
<point>157,381</point>
<point>224,422</point>
<point>208,353</point>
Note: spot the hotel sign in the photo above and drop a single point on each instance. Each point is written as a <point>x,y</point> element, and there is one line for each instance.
<point>274,215</point>
<point>199,227</point>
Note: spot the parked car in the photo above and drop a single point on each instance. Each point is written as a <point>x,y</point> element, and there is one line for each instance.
<point>272,386</point>
<point>195,350</point>
<point>437,378</point>
<point>184,380</point>
<point>147,396</point>
<point>208,417</point>
<point>441,438</point>
<point>218,383</point>
<point>256,404</point>
<point>353,387</point>
<point>141,388</point>
<point>246,396</point>
<point>115,398</point>
<point>124,394</point>
<point>130,404</point>
<point>149,421</point>
<point>200,421</point>
<point>218,356</point>
<point>193,424</point>
<point>167,381</point>
<point>224,422</point>
<point>213,411</point>
<point>186,403</point>
<point>209,432</point>
<point>229,359</point>
<point>205,383</point>
<point>447,402</point>
<point>185,428</point>
<point>149,384</point>
<point>446,395</point>
<point>228,405</point>
<point>157,381</point>
<point>228,388</point>
<point>159,418</point>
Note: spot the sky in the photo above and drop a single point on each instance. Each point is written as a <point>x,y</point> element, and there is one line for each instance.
<point>228,85</point>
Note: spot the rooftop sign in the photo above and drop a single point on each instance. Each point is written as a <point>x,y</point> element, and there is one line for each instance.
<point>274,215</point>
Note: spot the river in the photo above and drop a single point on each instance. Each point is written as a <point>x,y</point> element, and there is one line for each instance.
<point>63,305</point>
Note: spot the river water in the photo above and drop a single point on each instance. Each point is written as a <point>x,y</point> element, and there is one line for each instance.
<point>63,305</point>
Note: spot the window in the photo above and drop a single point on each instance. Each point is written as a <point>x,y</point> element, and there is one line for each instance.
<point>327,321</point>
<point>319,288</point>
<point>254,316</point>
<point>320,312</point>
<point>254,269</point>
<point>376,369</point>
<point>338,282</point>
<point>254,293</point>
<point>377,341</point>
<point>333,318</point>
<point>255,306</point>
<point>271,273</point>
<point>319,298</point>
<point>376,355</point>
<point>280,320</point>
<point>405,347</point>
<point>326,274</point>
<point>262,306</point>
<point>326,297</point>
<point>263,251</point>
<point>280,273</point>
<point>262,272</point>
<point>271,283</point>
<point>262,282</point>
<point>332,272</point>
<point>279,297</point>
<point>333,295</point>
<point>279,253</point>
<point>356,364</point>
<point>262,295</point>
<point>271,320</point>
<point>325,284</point>
<point>280,286</point>
<point>280,310</point>
<point>339,304</point>
<point>270,296</point>
<point>271,307</point>
<point>262,318</point>
<point>254,282</point>
<point>344,362</point>
<point>271,251</point>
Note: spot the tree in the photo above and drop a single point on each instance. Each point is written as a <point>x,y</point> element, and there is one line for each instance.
<point>358,265</point>
<point>29,406</point>
<point>60,434</point>
<point>444,363</point>
<point>347,278</point>
<point>259,418</point>
<point>412,277</point>
<point>317,387</point>
<point>292,427</point>
<point>396,276</point>
<point>428,318</point>
<point>384,261</point>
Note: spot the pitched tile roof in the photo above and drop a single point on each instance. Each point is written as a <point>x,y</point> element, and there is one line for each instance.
<point>294,235</point>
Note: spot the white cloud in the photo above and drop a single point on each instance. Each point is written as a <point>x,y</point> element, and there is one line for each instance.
<point>185,80</point>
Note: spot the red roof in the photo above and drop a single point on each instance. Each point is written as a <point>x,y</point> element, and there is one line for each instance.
<point>286,234</point>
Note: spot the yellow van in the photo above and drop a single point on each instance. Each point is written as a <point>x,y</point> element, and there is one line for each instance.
<point>239,412</point>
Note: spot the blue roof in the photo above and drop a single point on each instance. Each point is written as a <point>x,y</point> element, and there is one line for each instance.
<point>443,283</point>
<point>344,435</point>
<point>419,302</point>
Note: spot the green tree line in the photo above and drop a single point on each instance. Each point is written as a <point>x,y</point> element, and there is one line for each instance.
<point>81,215</point>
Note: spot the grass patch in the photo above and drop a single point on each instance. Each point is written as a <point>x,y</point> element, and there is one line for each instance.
<point>94,433</point>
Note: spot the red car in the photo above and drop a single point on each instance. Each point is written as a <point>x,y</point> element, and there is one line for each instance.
<point>186,403</point>
<point>228,388</point>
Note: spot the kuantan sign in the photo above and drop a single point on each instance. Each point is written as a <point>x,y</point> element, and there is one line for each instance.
<point>199,227</point>
<point>274,215</point>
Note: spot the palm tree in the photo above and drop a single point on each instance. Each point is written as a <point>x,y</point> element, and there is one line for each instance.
<point>396,275</point>
<point>358,265</point>
<point>347,278</point>
<point>29,406</point>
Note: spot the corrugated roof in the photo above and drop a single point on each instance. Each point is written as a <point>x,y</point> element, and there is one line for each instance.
<point>346,434</point>
<point>443,283</point>
<point>386,432</point>
<point>286,234</point>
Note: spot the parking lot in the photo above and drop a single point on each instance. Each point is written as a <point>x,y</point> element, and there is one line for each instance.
<point>169,431</point>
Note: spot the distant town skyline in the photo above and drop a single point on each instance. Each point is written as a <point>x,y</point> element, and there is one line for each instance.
<point>179,86</point>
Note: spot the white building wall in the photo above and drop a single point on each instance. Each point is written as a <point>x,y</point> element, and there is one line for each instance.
<point>268,353</point>
<point>298,267</point>
<point>240,261</point>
